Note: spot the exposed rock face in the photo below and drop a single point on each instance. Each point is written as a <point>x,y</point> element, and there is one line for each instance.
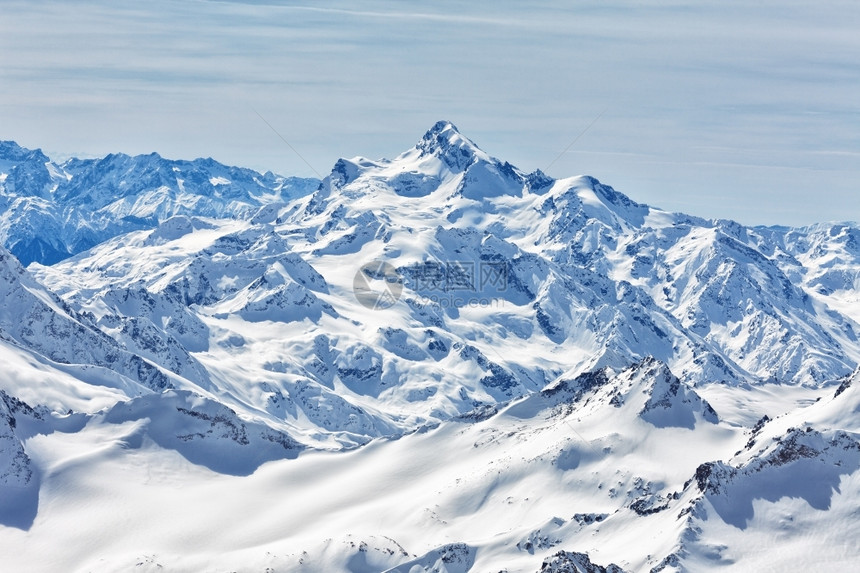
<point>573,562</point>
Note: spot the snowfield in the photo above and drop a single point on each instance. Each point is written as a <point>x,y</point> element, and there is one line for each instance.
<point>430,363</point>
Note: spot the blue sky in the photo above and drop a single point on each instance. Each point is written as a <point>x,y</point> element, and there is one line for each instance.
<point>722,109</point>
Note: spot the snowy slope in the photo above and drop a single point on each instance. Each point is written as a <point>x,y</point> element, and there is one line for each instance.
<point>435,362</point>
<point>546,474</point>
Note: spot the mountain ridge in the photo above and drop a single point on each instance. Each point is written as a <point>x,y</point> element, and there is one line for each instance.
<point>83,202</point>
<point>508,371</point>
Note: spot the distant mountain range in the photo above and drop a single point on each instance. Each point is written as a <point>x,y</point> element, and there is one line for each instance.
<point>436,362</point>
<point>51,211</point>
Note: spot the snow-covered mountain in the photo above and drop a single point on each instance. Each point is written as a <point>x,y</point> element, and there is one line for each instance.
<point>52,211</point>
<point>435,362</point>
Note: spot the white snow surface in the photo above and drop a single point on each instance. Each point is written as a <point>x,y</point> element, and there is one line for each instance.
<point>544,375</point>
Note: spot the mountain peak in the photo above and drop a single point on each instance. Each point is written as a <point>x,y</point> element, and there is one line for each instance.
<point>442,126</point>
<point>445,141</point>
<point>11,151</point>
